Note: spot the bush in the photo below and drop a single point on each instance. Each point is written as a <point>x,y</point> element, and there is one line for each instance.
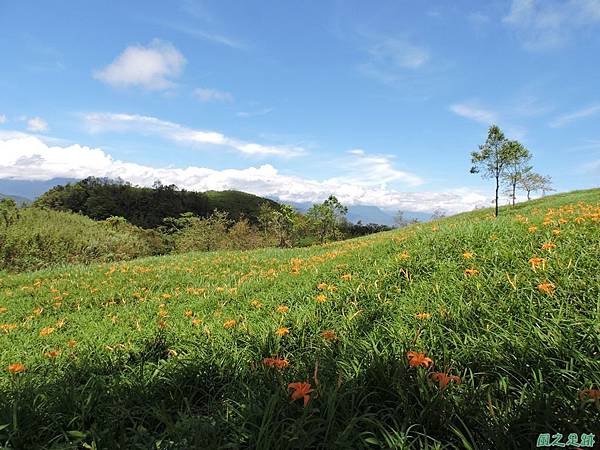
<point>33,238</point>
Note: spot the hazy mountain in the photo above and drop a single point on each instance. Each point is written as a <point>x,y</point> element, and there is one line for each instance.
<point>18,199</point>
<point>366,213</point>
<point>30,189</point>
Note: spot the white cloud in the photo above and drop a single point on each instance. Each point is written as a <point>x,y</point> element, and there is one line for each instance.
<point>550,24</point>
<point>374,170</point>
<point>566,119</point>
<point>151,67</point>
<point>474,112</point>
<point>29,158</point>
<point>2,119</point>
<point>212,95</point>
<point>37,124</point>
<point>103,122</point>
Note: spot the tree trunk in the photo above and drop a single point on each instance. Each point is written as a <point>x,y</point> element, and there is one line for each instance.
<point>528,192</point>
<point>497,187</point>
<point>514,186</point>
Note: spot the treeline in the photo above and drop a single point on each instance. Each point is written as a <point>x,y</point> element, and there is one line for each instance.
<point>101,198</point>
<point>50,233</point>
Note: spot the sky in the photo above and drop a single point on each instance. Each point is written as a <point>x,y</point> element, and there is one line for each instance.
<point>378,103</point>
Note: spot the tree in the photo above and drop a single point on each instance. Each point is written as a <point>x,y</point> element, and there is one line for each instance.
<point>492,158</point>
<point>279,222</point>
<point>438,213</point>
<point>327,217</point>
<point>516,167</point>
<point>399,220</point>
<point>533,182</point>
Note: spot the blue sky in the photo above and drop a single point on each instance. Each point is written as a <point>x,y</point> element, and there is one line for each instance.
<point>378,103</point>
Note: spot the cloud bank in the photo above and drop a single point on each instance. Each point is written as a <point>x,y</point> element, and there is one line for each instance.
<point>29,158</point>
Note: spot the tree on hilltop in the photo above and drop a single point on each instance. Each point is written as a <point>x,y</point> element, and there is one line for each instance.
<point>493,158</point>
<point>517,167</point>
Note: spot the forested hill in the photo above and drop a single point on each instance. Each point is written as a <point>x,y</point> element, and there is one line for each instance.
<point>100,198</point>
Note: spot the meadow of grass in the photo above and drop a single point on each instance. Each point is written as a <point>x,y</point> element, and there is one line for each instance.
<point>198,350</point>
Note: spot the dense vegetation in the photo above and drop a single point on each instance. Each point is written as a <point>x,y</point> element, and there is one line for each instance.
<point>100,198</point>
<point>39,237</point>
<point>468,332</point>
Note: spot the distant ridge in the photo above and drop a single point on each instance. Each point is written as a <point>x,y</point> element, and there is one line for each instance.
<point>366,213</point>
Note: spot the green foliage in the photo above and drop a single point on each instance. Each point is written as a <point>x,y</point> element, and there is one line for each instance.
<point>32,238</point>
<point>144,359</point>
<point>326,218</point>
<point>100,198</point>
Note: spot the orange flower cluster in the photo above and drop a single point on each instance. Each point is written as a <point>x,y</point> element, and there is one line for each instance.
<point>471,272</point>
<point>277,363</point>
<point>423,315</point>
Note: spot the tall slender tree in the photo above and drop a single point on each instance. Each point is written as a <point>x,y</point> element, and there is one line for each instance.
<point>517,166</point>
<point>492,158</point>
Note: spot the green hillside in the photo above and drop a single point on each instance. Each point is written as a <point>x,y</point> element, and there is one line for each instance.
<point>236,203</point>
<point>467,332</point>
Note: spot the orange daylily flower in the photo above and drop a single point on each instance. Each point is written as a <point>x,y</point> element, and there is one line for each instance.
<point>537,262</point>
<point>547,288</point>
<point>471,272</point>
<point>418,359</point>
<point>188,313</point>
<point>556,232</point>
<point>548,246</point>
<point>282,331</point>
<point>468,255</point>
<point>277,363</point>
<point>229,324</point>
<point>196,322</point>
<point>404,255</point>
<point>301,390</point>
<point>322,286</point>
<point>3,310</point>
<point>443,379</point>
<point>256,304</point>
<point>71,343</point>
<point>321,298</point>
<point>46,331</point>
<point>52,354</point>
<point>162,324</point>
<point>532,229</point>
<point>423,315</point>
<point>16,368</point>
<point>283,309</point>
<point>329,335</point>
<point>346,277</point>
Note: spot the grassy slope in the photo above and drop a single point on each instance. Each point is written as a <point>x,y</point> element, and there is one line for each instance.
<point>523,355</point>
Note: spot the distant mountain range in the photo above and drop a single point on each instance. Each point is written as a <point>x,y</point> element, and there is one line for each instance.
<point>19,200</point>
<point>29,190</point>
<point>366,213</point>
